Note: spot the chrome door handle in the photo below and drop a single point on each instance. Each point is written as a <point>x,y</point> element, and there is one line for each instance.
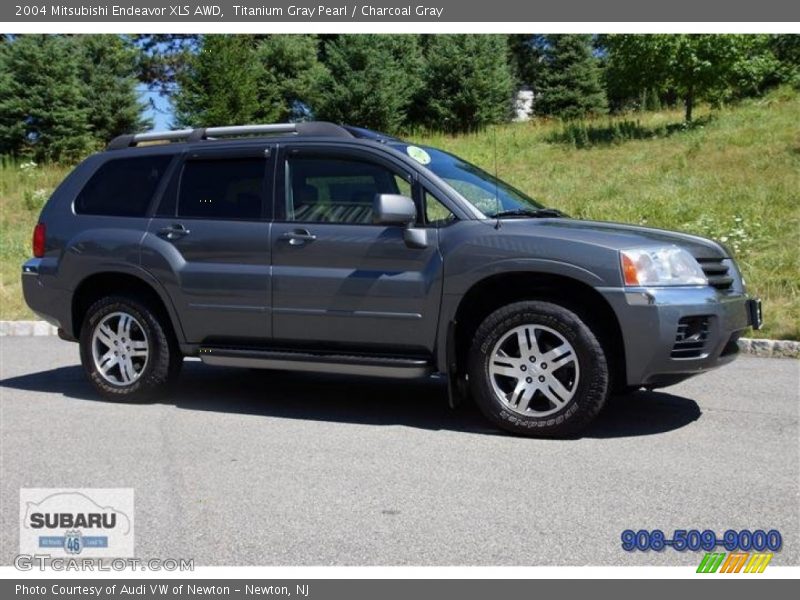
<point>174,231</point>
<point>298,237</point>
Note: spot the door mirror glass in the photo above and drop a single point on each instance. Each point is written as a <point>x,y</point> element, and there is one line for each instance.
<point>393,209</point>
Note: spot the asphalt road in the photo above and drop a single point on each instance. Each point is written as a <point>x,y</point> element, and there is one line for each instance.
<point>257,468</point>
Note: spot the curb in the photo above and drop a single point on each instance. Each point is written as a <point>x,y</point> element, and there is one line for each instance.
<point>756,347</point>
<point>770,348</point>
<point>26,328</point>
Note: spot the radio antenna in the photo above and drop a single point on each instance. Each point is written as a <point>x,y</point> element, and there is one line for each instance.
<point>496,188</point>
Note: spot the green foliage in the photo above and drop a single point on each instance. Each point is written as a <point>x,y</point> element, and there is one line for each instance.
<point>44,108</point>
<point>63,96</point>
<point>468,83</point>
<point>108,66</point>
<point>162,57</point>
<point>693,67</point>
<point>372,80</point>
<point>292,76</point>
<point>581,134</point>
<point>786,48</point>
<point>220,84</point>
<point>526,55</point>
<point>572,85</point>
<point>585,134</point>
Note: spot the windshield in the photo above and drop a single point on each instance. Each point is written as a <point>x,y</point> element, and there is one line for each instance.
<point>484,191</point>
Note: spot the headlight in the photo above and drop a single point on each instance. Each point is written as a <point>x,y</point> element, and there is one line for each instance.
<point>661,266</point>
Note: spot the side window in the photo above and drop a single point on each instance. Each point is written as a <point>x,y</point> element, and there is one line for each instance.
<point>335,190</point>
<point>230,188</point>
<point>403,186</point>
<point>122,187</point>
<point>436,213</point>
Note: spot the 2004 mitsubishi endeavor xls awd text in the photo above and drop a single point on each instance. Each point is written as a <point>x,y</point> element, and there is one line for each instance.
<point>317,247</point>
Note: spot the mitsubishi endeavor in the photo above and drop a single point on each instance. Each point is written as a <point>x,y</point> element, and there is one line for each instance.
<point>318,247</point>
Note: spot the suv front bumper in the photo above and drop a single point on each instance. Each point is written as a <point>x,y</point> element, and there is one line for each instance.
<point>671,334</point>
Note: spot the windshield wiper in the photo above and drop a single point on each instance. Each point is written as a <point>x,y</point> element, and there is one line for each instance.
<point>536,213</point>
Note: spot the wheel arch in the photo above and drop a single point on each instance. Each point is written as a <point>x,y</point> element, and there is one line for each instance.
<point>106,283</point>
<point>494,291</point>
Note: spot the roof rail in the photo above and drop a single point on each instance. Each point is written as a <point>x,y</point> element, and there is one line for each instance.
<point>311,128</point>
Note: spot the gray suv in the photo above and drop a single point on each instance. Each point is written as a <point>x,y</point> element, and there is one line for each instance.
<point>316,247</point>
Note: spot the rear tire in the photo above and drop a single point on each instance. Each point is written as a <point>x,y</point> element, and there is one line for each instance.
<point>127,353</point>
<point>535,368</point>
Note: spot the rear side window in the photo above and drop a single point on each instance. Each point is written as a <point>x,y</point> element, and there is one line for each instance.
<point>222,188</point>
<point>122,187</point>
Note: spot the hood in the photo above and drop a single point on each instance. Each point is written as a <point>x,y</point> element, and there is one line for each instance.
<point>618,236</point>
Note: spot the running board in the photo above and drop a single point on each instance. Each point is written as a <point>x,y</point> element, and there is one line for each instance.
<point>319,362</point>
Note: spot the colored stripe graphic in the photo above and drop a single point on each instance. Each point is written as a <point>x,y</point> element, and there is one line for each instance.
<point>711,562</point>
<point>734,563</point>
<point>758,563</point>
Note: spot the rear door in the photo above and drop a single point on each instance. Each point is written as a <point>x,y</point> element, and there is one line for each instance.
<point>209,244</point>
<point>338,279</point>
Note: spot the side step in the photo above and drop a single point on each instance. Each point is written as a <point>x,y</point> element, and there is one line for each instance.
<point>319,362</point>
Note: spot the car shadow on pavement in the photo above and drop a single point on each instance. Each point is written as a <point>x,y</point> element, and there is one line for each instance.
<point>304,396</point>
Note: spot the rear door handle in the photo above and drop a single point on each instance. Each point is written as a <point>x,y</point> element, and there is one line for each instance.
<point>298,237</point>
<point>174,231</point>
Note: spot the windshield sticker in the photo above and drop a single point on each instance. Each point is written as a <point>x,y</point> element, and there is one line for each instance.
<point>418,154</point>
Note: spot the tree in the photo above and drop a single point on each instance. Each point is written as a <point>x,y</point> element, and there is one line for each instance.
<point>108,69</point>
<point>572,84</point>
<point>220,84</point>
<point>162,57</point>
<point>292,76</point>
<point>695,67</point>
<point>527,59</point>
<point>372,80</point>
<point>44,109</point>
<point>468,82</point>
<point>786,49</point>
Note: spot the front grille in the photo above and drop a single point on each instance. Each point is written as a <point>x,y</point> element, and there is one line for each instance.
<point>691,337</point>
<point>717,272</point>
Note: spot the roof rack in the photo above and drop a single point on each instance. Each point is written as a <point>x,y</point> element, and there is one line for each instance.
<point>310,128</point>
<point>369,134</point>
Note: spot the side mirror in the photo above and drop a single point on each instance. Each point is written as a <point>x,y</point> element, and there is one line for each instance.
<point>393,209</point>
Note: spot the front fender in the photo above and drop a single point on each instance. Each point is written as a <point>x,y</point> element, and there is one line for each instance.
<point>460,283</point>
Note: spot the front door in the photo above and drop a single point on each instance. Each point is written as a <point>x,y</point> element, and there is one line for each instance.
<point>338,279</point>
<point>209,245</point>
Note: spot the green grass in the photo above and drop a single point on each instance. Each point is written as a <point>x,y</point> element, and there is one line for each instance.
<point>23,192</point>
<point>734,176</point>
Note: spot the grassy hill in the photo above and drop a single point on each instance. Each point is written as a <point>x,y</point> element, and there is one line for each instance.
<point>733,176</point>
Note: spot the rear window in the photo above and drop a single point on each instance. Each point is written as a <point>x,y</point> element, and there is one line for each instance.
<point>122,187</point>
<point>222,188</point>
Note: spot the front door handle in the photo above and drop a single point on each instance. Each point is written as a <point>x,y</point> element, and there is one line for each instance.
<point>298,237</point>
<point>174,231</point>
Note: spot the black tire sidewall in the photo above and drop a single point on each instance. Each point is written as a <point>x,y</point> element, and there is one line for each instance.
<point>157,370</point>
<point>593,381</point>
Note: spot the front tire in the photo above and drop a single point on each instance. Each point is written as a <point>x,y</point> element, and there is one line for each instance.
<point>535,368</point>
<point>127,353</point>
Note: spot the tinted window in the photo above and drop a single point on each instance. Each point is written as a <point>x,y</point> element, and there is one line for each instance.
<point>436,213</point>
<point>325,190</point>
<point>122,187</point>
<point>484,191</point>
<point>222,188</point>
